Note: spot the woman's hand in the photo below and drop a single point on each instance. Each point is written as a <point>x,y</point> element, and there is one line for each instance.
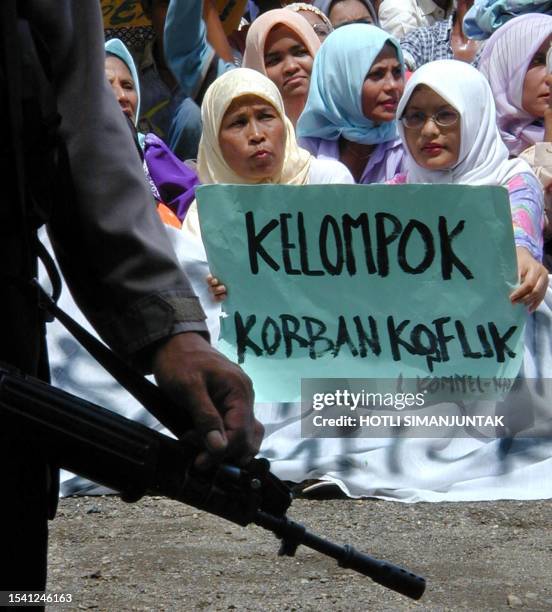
<point>217,290</point>
<point>533,277</point>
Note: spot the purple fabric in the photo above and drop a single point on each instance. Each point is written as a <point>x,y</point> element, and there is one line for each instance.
<point>175,181</point>
<point>505,61</point>
<point>384,163</point>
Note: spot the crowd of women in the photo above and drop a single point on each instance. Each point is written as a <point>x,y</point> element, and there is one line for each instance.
<point>322,95</point>
<point>312,105</point>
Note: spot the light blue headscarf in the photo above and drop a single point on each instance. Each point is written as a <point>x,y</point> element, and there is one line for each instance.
<point>486,16</point>
<point>119,49</point>
<point>334,104</point>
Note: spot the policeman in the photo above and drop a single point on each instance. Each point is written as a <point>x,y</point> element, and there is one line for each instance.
<point>115,257</point>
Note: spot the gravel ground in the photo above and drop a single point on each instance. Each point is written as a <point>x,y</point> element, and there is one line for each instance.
<point>161,555</point>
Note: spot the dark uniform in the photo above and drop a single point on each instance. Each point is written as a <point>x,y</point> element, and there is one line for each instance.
<point>113,252</point>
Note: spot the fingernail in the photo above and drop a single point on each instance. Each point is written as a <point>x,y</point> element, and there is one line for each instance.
<point>215,441</point>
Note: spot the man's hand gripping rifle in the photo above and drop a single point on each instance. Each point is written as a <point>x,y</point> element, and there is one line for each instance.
<point>135,460</point>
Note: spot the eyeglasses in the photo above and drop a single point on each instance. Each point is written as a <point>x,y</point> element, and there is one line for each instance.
<point>322,29</point>
<point>417,120</point>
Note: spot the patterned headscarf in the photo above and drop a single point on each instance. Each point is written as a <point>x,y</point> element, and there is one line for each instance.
<point>297,7</point>
<point>487,16</point>
<point>505,61</point>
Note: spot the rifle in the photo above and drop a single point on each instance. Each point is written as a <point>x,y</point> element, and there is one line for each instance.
<point>130,458</point>
<point>117,452</point>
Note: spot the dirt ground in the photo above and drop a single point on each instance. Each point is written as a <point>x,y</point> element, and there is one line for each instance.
<point>160,555</point>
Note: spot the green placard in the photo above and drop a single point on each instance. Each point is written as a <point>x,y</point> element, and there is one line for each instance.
<point>363,281</point>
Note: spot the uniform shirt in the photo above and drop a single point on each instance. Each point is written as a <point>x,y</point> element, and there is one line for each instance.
<point>111,246</point>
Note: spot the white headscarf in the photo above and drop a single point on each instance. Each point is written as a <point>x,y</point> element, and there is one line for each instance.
<point>212,167</point>
<point>483,157</point>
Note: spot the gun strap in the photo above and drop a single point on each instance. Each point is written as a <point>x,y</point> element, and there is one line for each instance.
<point>28,217</point>
<point>148,394</point>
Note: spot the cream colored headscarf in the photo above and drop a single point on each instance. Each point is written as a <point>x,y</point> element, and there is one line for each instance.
<point>260,29</point>
<point>211,165</point>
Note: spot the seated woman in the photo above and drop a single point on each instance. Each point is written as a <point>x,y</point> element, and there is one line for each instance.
<point>285,35</point>
<point>247,139</point>
<point>281,44</point>
<point>357,81</point>
<point>448,126</point>
<point>514,63</point>
<point>172,182</point>
<point>344,12</point>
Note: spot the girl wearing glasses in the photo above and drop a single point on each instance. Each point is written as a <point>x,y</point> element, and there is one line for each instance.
<point>448,126</point>
<point>357,81</point>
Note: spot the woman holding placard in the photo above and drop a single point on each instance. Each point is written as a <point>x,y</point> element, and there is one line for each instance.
<point>448,126</point>
<point>247,139</point>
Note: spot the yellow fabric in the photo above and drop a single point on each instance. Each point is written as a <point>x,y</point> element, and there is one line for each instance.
<point>123,14</point>
<point>190,225</point>
<point>212,168</point>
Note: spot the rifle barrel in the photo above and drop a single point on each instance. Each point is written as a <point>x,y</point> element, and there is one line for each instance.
<point>387,574</point>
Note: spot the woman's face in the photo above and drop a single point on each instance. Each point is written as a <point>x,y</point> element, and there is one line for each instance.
<point>288,63</point>
<point>252,138</point>
<point>123,86</point>
<point>432,145</point>
<point>535,90</point>
<point>349,11</point>
<point>383,87</point>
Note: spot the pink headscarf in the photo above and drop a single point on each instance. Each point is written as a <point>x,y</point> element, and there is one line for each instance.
<point>260,29</point>
<point>505,61</point>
